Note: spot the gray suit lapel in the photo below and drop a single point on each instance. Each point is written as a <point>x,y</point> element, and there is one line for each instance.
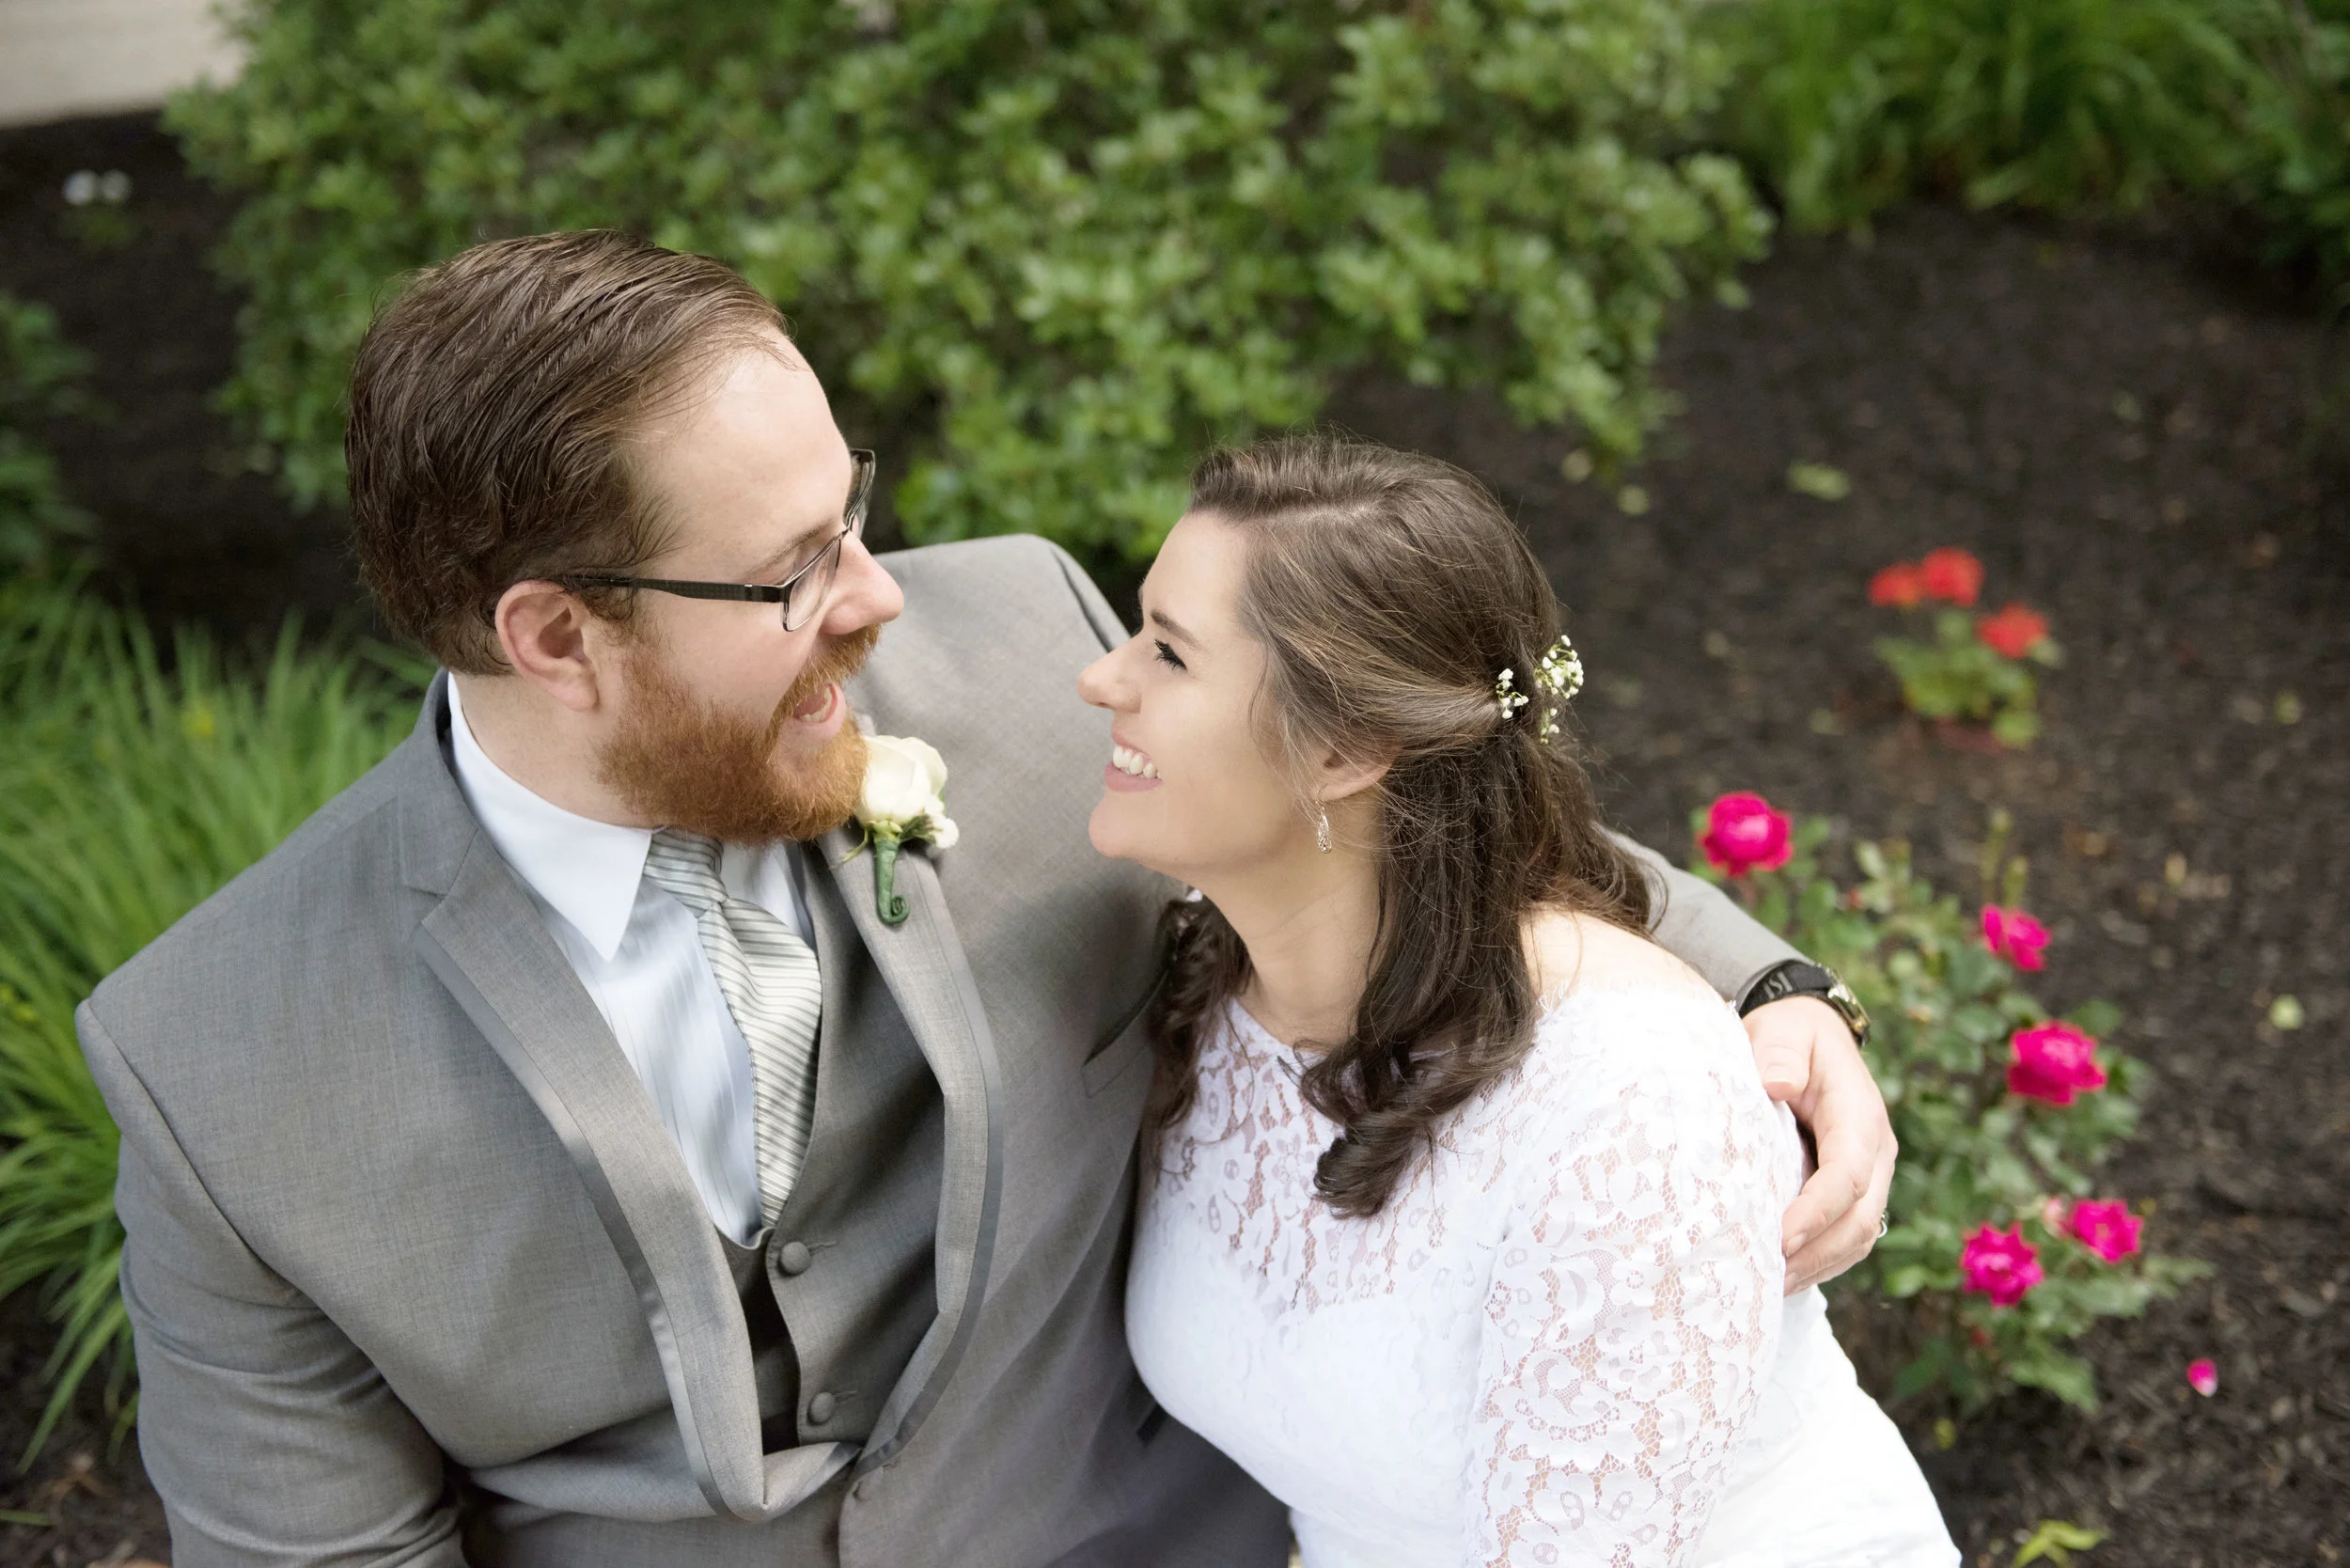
<point>923,963</point>
<point>486,942</point>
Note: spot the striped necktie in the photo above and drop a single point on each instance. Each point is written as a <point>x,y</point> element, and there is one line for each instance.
<point>770,981</point>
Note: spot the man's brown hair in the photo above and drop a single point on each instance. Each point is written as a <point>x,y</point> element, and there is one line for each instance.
<point>492,405</point>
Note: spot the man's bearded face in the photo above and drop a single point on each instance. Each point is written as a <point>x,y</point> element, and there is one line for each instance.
<point>685,762</point>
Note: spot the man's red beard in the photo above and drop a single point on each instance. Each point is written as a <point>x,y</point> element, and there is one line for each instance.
<point>689,764</point>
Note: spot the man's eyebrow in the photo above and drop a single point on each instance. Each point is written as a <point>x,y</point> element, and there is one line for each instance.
<point>1173,627</point>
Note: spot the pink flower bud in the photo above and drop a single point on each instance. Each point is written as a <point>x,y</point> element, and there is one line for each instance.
<point>2105,1228</point>
<point>1743,833</point>
<point>2052,1062</point>
<point>2001,1264</point>
<point>2011,934</point>
<point>2052,1213</point>
<point>2202,1378</point>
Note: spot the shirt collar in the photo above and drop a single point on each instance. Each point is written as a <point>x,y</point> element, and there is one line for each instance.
<point>588,871</point>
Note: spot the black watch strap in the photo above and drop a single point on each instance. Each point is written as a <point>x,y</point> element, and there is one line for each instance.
<point>1800,976</point>
<point>1794,977</point>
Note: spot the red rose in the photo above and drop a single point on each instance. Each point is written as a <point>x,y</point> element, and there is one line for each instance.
<point>2012,633</point>
<point>1743,833</point>
<point>2106,1227</point>
<point>1903,585</point>
<point>1952,576</point>
<point>2001,1264</point>
<point>2052,1062</point>
<point>2011,934</point>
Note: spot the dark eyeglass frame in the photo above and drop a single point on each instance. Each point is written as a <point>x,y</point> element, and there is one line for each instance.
<point>826,561</point>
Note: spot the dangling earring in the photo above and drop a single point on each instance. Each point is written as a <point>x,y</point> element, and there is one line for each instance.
<point>1322,829</point>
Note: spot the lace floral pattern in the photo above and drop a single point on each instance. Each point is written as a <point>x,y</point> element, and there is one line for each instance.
<point>1542,1351</point>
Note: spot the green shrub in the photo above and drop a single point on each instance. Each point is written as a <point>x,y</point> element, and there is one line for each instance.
<point>130,789</point>
<point>2066,104</point>
<point>1974,1153</point>
<point>1067,242</point>
<point>2300,183</point>
<point>40,378</point>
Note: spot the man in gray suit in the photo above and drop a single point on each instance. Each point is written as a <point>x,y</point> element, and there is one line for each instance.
<point>552,1153</point>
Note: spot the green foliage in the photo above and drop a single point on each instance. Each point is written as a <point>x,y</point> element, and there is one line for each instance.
<point>1972,1154</point>
<point>1850,106</point>
<point>2300,183</point>
<point>1070,242</point>
<point>2056,1541</point>
<point>130,788</point>
<point>40,378</point>
<point>1958,676</point>
<point>2057,103</point>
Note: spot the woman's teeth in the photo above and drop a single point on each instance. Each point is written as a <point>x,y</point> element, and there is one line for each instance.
<point>1127,760</point>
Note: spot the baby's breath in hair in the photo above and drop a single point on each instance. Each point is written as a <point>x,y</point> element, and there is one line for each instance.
<point>1559,675</point>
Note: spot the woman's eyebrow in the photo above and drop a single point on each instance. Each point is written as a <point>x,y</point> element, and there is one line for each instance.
<point>1173,628</point>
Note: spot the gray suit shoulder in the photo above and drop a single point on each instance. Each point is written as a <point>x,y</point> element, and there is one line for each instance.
<point>244,947</point>
<point>998,580</point>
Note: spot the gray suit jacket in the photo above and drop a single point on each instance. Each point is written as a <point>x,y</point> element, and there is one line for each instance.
<point>407,1244</point>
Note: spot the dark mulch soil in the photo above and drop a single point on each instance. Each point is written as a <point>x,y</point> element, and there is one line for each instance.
<point>189,531</point>
<point>1963,371</point>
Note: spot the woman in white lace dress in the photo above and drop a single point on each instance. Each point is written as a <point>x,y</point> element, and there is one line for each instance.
<point>1459,1221</point>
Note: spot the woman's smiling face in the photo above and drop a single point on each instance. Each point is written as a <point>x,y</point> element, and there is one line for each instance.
<point>1189,790</point>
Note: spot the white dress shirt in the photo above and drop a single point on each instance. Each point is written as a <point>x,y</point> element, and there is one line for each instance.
<point>640,953</point>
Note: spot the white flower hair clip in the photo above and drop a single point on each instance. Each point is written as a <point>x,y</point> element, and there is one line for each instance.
<point>1559,675</point>
<point>1507,698</point>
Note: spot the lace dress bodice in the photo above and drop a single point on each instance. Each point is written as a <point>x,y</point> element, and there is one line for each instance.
<point>1553,1344</point>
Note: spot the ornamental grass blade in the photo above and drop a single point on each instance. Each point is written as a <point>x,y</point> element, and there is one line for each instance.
<point>133,788</point>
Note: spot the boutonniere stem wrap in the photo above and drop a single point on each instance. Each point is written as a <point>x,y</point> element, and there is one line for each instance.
<point>903,801</point>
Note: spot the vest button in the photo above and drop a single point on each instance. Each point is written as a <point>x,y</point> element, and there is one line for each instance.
<point>820,1409</point>
<point>794,1258</point>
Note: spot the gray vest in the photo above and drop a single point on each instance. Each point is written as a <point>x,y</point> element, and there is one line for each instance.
<point>841,1289</point>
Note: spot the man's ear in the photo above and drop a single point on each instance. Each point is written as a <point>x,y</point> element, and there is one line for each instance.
<point>542,630</point>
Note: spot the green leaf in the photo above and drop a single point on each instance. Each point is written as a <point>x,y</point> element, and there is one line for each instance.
<point>2060,1373</point>
<point>2057,1540</point>
<point>1818,481</point>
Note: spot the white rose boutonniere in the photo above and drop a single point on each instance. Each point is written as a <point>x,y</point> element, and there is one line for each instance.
<point>902,801</point>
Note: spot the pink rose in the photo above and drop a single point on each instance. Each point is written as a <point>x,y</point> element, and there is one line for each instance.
<point>2001,1264</point>
<point>2011,934</point>
<point>2106,1227</point>
<point>1743,833</point>
<point>2053,1062</point>
<point>1901,584</point>
<point>2203,1376</point>
<point>1952,575</point>
<point>2012,633</point>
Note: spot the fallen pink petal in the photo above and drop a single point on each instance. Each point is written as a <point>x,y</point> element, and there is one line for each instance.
<point>2203,1377</point>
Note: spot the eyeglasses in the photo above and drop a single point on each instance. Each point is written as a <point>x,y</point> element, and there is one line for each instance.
<point>802,594</point>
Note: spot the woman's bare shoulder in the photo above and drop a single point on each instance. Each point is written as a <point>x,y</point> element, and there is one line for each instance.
<point>1575,953</point>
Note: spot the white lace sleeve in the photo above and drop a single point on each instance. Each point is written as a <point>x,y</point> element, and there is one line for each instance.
<point>1634,1308</point>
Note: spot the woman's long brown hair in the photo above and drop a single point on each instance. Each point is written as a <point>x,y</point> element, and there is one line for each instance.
<point>1390,592</point>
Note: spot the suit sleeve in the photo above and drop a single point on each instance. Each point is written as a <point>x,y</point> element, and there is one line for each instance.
<point>1698,924</point>
<point>271,1438</point>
